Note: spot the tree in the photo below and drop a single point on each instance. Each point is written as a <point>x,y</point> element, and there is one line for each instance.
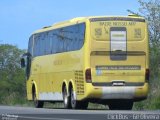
<point>150,10</point>
<point>12,80</point>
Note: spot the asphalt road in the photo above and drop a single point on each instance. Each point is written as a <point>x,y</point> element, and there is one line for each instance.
<point>28,113</point>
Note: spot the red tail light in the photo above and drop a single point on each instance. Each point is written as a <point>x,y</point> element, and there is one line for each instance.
<point>147,75</point>
<point>88,75</point>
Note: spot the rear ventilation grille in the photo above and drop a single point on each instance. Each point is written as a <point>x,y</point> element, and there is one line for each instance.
<point>79,81</point>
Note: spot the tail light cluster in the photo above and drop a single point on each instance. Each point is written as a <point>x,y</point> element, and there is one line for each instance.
<point>88,75</point>
<point>147,75</point>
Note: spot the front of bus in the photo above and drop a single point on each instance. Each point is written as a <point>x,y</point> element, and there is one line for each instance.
<point>119,61</point>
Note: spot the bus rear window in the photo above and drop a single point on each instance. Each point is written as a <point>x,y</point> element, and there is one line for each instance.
<point>118,43</point>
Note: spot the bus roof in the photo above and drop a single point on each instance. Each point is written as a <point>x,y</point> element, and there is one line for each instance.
<point>83,19</point>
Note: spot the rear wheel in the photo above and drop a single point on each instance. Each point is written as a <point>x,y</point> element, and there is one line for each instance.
<point>121,105</point>
<point>37,103</point>
<point>77,104</point>
<point>66,99</point>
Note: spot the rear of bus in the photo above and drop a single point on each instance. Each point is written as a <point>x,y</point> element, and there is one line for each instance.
<point>119,66</point>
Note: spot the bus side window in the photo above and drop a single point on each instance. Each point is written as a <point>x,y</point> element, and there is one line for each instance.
<point>81,35</point>
<point>43,43</point>
<point>67,38</point>
<point>30,45</point>
<point>61,40</point>
<point>47,43</point>
<point>36,46</point>
<point>50,51</point>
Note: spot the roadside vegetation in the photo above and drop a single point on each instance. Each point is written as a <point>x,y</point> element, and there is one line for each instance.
<point>150,9</point>
<point>12,77</point>
<point>12,81</point>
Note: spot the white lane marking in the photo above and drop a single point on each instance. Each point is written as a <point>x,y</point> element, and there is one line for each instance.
<point>40,118</point>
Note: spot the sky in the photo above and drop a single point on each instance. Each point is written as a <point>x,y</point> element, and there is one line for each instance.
<point>20,18</point>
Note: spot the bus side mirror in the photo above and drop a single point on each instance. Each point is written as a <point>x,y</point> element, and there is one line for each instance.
<point>22,63</point>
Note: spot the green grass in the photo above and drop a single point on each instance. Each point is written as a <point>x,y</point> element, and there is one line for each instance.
<point>153,100</point>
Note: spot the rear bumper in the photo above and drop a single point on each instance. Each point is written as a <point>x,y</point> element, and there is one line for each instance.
<point>135,93</point>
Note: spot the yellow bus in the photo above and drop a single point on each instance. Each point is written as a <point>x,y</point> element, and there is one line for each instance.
<point>102,59</point>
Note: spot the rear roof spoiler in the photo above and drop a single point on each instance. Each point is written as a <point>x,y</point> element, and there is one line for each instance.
<point>117,19</point>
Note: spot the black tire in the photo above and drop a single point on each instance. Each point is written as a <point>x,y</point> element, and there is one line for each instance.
<point>77,104</point>
<point>121,105</point>
<point>66,99</point>
<point>37,103</point>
